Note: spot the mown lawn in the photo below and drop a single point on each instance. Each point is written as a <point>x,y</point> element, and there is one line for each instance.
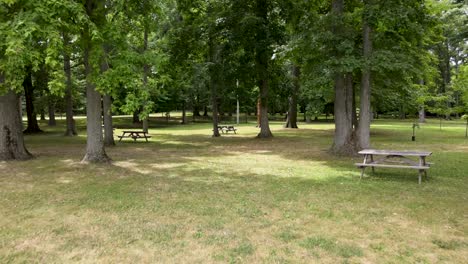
<point>188,198</point>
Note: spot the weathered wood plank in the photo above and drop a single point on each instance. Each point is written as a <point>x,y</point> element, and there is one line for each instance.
<point>395,152</point>
<point>391,166</point>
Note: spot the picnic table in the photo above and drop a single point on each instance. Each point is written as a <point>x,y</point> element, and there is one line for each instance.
<point>227,129</point>
<point>134,134</point>
<point>395,159</point>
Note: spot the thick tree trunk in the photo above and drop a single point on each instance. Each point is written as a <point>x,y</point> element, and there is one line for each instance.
<point>262,57</point>
<point>95,151</point>
<point>11,135</point>
<point>291,121</point>
<point>344,142</point>
<point>205,111</point>
<point>51,108</point>
<point>71,129</point>
<point>259,112</point>
<point>107,105</point>
<point>264,125</point>
<point>363,132</point>
<point>33,126</point>
<point>42,115</point>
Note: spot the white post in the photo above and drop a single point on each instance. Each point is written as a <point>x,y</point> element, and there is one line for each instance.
<point>237,112</point>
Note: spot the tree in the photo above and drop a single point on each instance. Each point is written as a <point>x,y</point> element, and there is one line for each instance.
<point>95,152</point>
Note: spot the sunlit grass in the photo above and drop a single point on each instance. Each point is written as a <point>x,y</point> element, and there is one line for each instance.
<point>186,197</point>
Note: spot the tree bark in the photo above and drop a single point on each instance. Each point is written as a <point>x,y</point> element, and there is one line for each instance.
<point>146,72</point>
<point>33,126</point>
<point>344,142</point>
<point>214,51</point>
<point>71,129</point>
<point>365,110</point>
<point>422,114</point>
<point>107,104</point>
<point>95,152</point>
<point>108,126</point>
<point>291,121</point>
<point>51,108</point>
<point>184,113</point>
<point>262,57</point>
<point>12,145</point>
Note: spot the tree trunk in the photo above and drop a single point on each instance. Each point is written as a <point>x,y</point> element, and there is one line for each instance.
<point>343,143</point>
<point>262,57</point>
<point>136,118</point>
<point>42,114</point>
<point>11,135</point>
<point>71,129</point>
<point>291,121</point>
<point>107,103</point>
<point>146,72</point>
<point>258,113</point>
<point>205,111</point>
<point>214,78</point>
<point>184,114</point>
<point>422,114</point>
<point>95,151</point>
<point>51,108</point>
<point>108,126</point>
<point>363,132</point>
<point>33,126</point>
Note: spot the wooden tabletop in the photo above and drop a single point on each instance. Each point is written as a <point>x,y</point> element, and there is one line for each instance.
<point>395,152</point>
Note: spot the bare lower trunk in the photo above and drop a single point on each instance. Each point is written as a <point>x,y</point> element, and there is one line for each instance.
<point>291,121</point>
<point>145,125</point>
<point>265,131</point>
<point>108,127</point>
<point>344,143</point>
<point>422,114</point>
<point>363,132</point>
<point>71,129</point>
<point>51,108</point>
<point>184,114</point>
<point>259,112</point>
<point>33,126</point>
<point>11,135</point>
<point>135,117</point>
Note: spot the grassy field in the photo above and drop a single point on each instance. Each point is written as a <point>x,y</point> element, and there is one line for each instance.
<point>186,197</point>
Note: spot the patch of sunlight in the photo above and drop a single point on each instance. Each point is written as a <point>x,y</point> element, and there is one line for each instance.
<point>214,179</point>
<point>166,165</point>
<point>64,180</point>
<point>132,166</point>
<point>70,162</point>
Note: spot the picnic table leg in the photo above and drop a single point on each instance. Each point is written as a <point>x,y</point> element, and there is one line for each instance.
<point>363,167</point>
<point>420,174</point>
<point>422,161</point>
<point>372,160</point>
<point>146,138</point>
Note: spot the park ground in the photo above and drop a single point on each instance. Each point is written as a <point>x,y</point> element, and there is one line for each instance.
<point>186,197</point>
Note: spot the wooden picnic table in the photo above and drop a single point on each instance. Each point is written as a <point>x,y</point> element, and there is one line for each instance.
<point>227,129</point>
<point>395,159</point>
<point>134,135</point>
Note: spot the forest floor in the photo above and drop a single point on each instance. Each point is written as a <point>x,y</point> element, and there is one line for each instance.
<point>186,197</point>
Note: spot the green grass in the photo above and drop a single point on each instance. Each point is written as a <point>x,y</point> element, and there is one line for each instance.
<point>186,197</point>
